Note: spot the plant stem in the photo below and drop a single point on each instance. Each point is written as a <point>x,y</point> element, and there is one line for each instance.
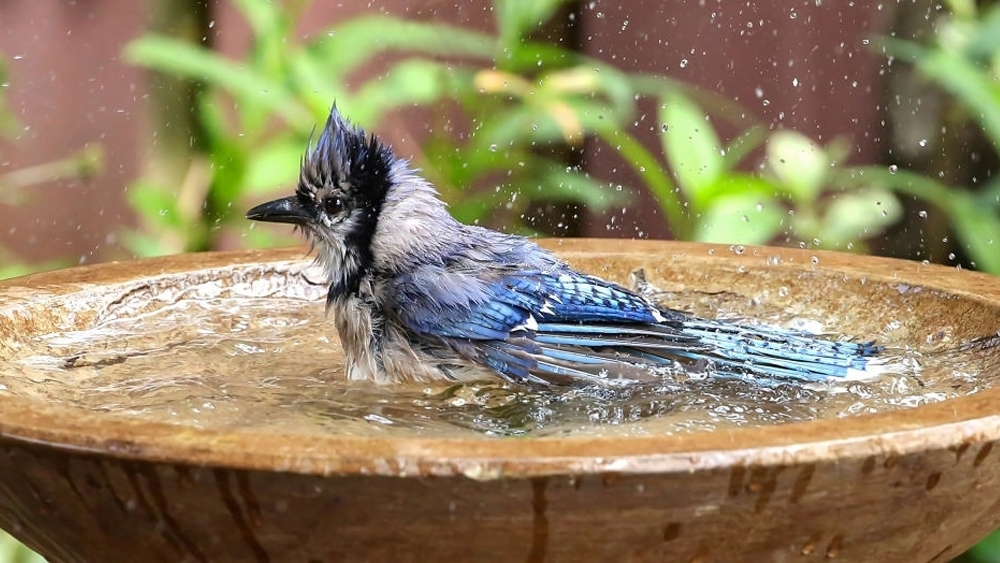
<point>652,173</point>
<point>84,164</point>
<point>175,131</point>
<point>902,181</point>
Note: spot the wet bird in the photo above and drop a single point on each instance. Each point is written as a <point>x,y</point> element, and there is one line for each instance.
<point>418,296</point>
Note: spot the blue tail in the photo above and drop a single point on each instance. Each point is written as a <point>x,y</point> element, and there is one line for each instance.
<point>767,351</point>
<point>562,326</point>
<point>603,353</point>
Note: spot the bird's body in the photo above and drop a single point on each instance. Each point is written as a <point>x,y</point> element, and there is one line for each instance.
<point>419,296</point>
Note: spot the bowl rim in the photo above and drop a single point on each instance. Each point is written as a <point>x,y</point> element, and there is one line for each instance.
<point>952,424</point>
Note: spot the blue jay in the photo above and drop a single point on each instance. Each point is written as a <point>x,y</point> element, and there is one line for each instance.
<point>418,296</point>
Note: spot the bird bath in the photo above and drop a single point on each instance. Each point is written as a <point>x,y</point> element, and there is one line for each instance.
<point>109,450</point>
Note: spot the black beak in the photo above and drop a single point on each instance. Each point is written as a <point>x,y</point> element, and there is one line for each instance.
<point>287,210</point>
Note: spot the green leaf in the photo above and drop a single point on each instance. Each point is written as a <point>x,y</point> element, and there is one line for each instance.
<point>693,149</point>
<point>213,120</point>
<point>973,86</point>
<point>986,551</point>
<point>978,229</point>
<point>985,42</point>
<point>558,183</point>
<point>857,215</point>
<point>516,19</point>
<point>229,167</point>
<point>144,244</point>
<point>316,87</point>
<point>533,56</point>
<point>263,17</point>
<point>254,236</point>
<point>743,144</point>
<point>173,56</point>
<point>12,551</point>
<point>412,81</point>
<point>799,164</point>
<point>273,165</point>
<point>737,184</point>
<point>472,208</point>
<point>351,44</point>
<point>903,181</point>
<point>157,205</point>
<point>740,218</point>
<point>717,105</point>
<point>585,82</point>
<point>656,179</point>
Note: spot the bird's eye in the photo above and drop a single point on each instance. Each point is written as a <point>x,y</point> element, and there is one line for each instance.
<point>333,205</point>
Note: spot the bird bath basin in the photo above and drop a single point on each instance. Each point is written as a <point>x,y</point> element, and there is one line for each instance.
<point>161,445</point>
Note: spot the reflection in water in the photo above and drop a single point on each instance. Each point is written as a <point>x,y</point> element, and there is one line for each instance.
<point>228,360</point>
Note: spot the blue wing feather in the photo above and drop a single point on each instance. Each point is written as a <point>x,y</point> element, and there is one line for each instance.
<point>559,325</point>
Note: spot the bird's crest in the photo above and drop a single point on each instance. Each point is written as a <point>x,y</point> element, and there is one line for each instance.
<point>348,161</point>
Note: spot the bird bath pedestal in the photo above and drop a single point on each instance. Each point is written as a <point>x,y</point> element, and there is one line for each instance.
<point>917,484</point>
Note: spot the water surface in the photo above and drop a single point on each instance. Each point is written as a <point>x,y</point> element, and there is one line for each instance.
<point>262,355</point>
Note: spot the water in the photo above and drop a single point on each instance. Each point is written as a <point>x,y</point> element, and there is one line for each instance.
<point>220,356</point>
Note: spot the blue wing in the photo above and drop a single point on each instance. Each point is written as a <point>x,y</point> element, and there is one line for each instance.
<point>563,326</point>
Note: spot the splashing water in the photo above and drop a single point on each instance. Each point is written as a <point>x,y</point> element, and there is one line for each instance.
<point>227,358</point>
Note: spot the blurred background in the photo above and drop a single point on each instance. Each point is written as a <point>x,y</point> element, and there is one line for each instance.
<point>137,129</point>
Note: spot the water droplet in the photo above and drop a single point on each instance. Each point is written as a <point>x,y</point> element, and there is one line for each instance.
<point>922,213</point>
<point>684,63</point>
<point>893,169</point>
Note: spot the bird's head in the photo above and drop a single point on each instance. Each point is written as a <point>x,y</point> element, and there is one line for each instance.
<point>362,208</point>
<point>343,182</point>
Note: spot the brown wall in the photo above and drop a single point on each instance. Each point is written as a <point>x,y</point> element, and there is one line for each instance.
<point>69,87</point>
<point>802,66</point>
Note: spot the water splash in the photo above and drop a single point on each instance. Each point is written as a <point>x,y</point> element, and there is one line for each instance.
<point>215,357</point>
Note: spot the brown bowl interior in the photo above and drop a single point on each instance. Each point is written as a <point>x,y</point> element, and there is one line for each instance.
<point>908,485</point>
<point>928,307</point>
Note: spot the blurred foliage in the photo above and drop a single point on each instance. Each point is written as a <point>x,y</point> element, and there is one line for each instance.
<point>258,112</point>
<point>794,194</point>
<point>986,551</point>
<point>509,109</point>
<point>15,185</point>
<point>963,58</point>
<point>12,551</point>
